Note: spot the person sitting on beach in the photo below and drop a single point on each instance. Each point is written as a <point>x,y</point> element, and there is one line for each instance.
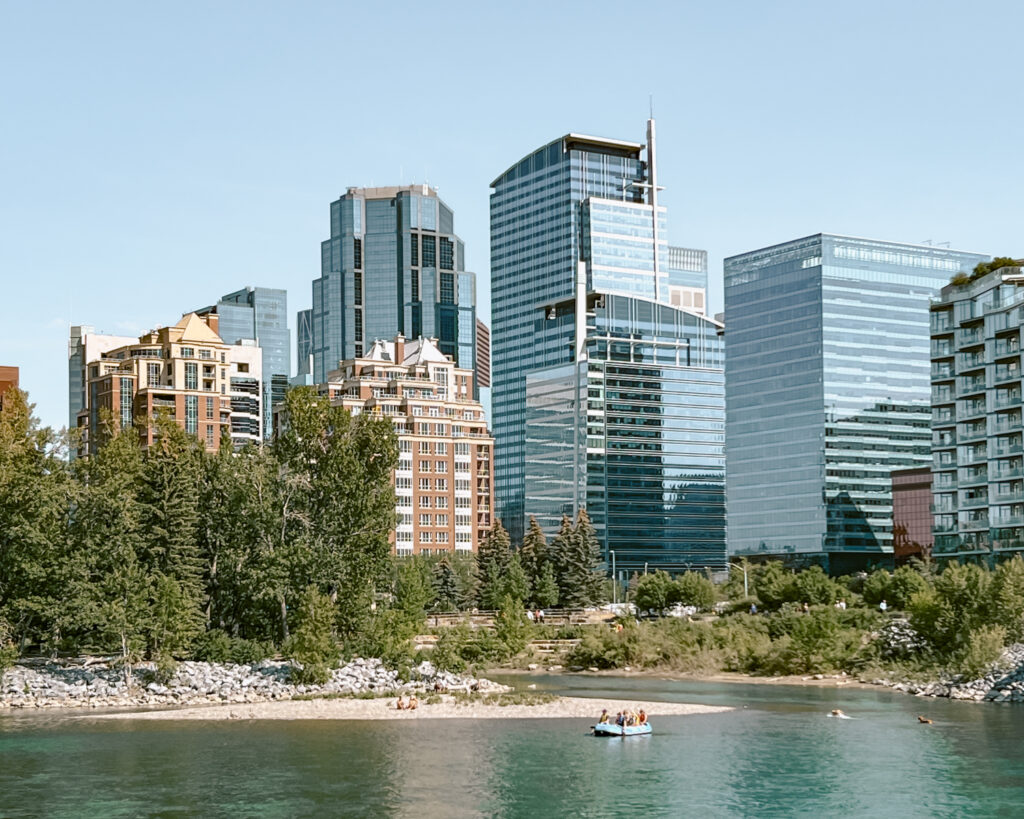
<point>413,702</point>
<point>400,705</point>
<point>604,717</point>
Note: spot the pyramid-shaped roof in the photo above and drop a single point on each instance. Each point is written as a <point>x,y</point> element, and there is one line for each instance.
<point>193,328</point>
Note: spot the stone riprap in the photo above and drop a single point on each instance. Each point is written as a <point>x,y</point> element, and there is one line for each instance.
<point>1004,683</point>
<point>55,685</point>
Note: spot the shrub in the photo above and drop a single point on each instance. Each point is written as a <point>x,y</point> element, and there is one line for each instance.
<point>903,585</point>
<point>876,587</point>
<point>983,648</point>
<point>814,586</point>
<point>693,589</point>
<point>312,644</point>
<point>212,647</point>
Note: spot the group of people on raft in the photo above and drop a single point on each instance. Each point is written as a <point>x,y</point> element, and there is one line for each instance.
<point>624,718</point>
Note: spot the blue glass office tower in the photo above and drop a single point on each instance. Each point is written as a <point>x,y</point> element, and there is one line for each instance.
<point>393,264</point>
<point>604,394</point>
<point>303,342</point>
<point>261,314</point>
<point>827,389</point>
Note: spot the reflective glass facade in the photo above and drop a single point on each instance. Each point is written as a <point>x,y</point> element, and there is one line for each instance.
<point>393,265</point>
<point>827,376</point>
<point>977,429</point>
<point>604,395</point>
<point>261,313</point>
<point>303,341</point>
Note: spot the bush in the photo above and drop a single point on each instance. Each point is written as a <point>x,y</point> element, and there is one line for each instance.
<point>8,651</point>
<point>511,626</point>
<point>983,648</point>
<point>212,647</point>
<point>814,586</point>
<point>312,644</point>
<point>693,589</point>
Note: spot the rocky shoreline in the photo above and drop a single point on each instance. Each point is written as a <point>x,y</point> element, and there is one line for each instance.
<point>97,685</point>
<point>1004,683</point>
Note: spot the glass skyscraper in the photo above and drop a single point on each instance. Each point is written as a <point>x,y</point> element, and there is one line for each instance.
<point>261,314</point>
<point>827,389</point>
<point>604,394</point>
<point>393,265</point>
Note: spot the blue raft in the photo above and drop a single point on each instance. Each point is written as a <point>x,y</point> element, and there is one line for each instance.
<point>610,729</point>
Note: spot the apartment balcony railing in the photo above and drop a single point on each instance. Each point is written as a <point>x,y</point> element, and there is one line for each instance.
<point>974,524</point>
<point>974,503</point>
<point>1008,520</point>
<point>1016,496</point>
<point>969,337</point>
<point>1006,401</point>
<point>973,479</point>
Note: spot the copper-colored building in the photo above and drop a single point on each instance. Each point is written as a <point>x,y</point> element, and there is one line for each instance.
<point>483,354</point>
<point>912,513</point>
<point>8,380</point>
<point>185,371</point>
<point>444,480</point>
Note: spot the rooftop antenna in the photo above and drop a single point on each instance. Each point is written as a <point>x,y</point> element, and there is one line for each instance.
<point>650,100</point>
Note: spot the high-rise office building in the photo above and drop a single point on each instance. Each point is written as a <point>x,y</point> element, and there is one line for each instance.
<point>209,388</point>
<point>304,342</point>
<point>393,265</point>
<point>688,278</point>
<point>977,438</point>
<point>260,314</point>
<point>605,395</point>
<point>827,388</point>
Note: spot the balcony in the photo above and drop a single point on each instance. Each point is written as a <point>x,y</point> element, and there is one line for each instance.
<point>1005,521</point>
<point>1005,348</point>
<point>942,372</point>
<point>970,337</point>
<point>974,456</point>
<point>973,478</point>
<point>1013,496</point>
<point>967,362</point>
<point>1009,423</point>
<point>975,524</point>
<point>970,409</point>
<point>973,433</point>
<point>1006,401</point>
<point>968,386</point>
<point>941,418</point>
<point>944,529</point>
<point>1007,373</point>
<point>976,502</point>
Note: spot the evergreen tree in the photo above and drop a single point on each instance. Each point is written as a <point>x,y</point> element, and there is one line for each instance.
<point>446,586</point>
<point>313,643</point>
<point>492,560</point>
<point>534,552</point>
<point>414,591</point>
<point>515,583</point>
<point>545,593</point>
<point>560,556</point>
<point>582,581</point>
<point>496,546</point>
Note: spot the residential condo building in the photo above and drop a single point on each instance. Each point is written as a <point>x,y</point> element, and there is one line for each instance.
<point>392,265</point>
<point>977,427</point>
<point>827,388</point>
<point>606,395</point>
<point>444,483</point>
<point>186,372</point>
<point>8,380</point>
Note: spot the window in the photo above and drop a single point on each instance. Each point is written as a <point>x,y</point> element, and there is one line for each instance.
<point>192,414</point>
<point>442,484</point>
<point>461,448</point>
<point>153,375</point>
<point>424,501</point>
<point>403,483</point>
<point>424,466</point>
<point>357,253</point>
<point>187,352</point>
<point>424,484</point>
<point>243,368</point>
<point>442,520</point>
<point>442,537</point>
<point>223,358</point>
<point>425,520</point>
<point>206,355</point>
<point>209,408</point>
<point>441,466</point>
<point>447,254</point>
<point>126,403</point>
<point>209,435</point>
<point>192,377</point>
<point>424,447</point>
<point>442,502</point>
<point>447,289</point>
<point>425,537</point>
<point>441,448</point>
<point>414,250</point>
<point>405,446</point>
<point>429,251</point>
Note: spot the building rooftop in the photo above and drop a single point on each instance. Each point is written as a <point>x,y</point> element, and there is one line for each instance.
<point>618,147</point>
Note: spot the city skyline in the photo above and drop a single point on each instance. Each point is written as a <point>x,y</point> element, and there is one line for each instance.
<point>159,174</point>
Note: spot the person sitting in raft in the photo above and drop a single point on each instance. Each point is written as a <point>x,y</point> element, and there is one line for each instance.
<point>620,718</point>
<point>413,702</point>
<point>604,717</point>
<point>642,717</point>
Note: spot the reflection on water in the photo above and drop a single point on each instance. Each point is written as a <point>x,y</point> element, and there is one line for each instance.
<point>776,755</point>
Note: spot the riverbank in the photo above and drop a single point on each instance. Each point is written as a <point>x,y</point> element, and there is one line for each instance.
<point>449,707</point>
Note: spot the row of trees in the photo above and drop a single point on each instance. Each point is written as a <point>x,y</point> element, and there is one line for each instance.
<point>143,551</point>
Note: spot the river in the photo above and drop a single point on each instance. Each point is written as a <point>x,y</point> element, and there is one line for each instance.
<point>777,754</point>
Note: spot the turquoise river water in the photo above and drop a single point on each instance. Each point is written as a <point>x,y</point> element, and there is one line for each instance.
<point>777,754</point>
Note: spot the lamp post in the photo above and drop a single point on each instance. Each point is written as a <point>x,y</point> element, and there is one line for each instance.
<point>615,580</point>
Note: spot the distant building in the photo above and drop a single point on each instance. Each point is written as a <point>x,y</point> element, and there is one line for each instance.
<point>827,392</point>
<point>606,395</point>
<point>483,354</point>
<point>8,380</point>
<point>259,315</point>
<point>977,427</point>
<point>911,514</point>
<point>444,480</point>
<point>209,388</point>
<point>85,345</point>
<point>304,343</point>
<point>392,264</point>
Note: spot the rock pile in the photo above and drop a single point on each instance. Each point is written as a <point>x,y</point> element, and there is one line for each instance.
<point>1003,683</point>
<point>55,684</point>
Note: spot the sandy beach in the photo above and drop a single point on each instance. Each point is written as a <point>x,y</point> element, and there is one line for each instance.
<point>352,709</point>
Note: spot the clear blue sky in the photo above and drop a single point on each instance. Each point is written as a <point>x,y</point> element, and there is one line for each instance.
<point>155,156</point>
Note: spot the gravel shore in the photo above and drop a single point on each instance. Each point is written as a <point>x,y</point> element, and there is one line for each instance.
<point>449,708</point>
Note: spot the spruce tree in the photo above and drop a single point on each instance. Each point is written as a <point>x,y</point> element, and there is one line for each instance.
<point>446,586</point>
<point>534,552</point>
<point>560,556</point>
<point>591,559</point>
<point>492,558</point>
<point>515,583</point>
<point>545,593</point>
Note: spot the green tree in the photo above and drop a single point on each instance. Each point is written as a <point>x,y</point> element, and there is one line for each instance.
<point>877,587</point>
<point>1007,598</point>
<point>346,505</point>
<point>559,555</point>
<point>313,643</point>
<point>446,586</point>
<point>694,589</point>
<point>414,590</point>
<point>496,546</point>
<point>545,593</point>
<point>653,591</point>
<point>813,586</point>
<point>510,625</point>
<point>492,559</point>
<point>775,585</point>
<point>904,584</point>
<point>534,552</point>
<point>515,583</point>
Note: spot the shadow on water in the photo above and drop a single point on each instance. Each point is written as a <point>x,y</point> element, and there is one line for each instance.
<point>777,754</point>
